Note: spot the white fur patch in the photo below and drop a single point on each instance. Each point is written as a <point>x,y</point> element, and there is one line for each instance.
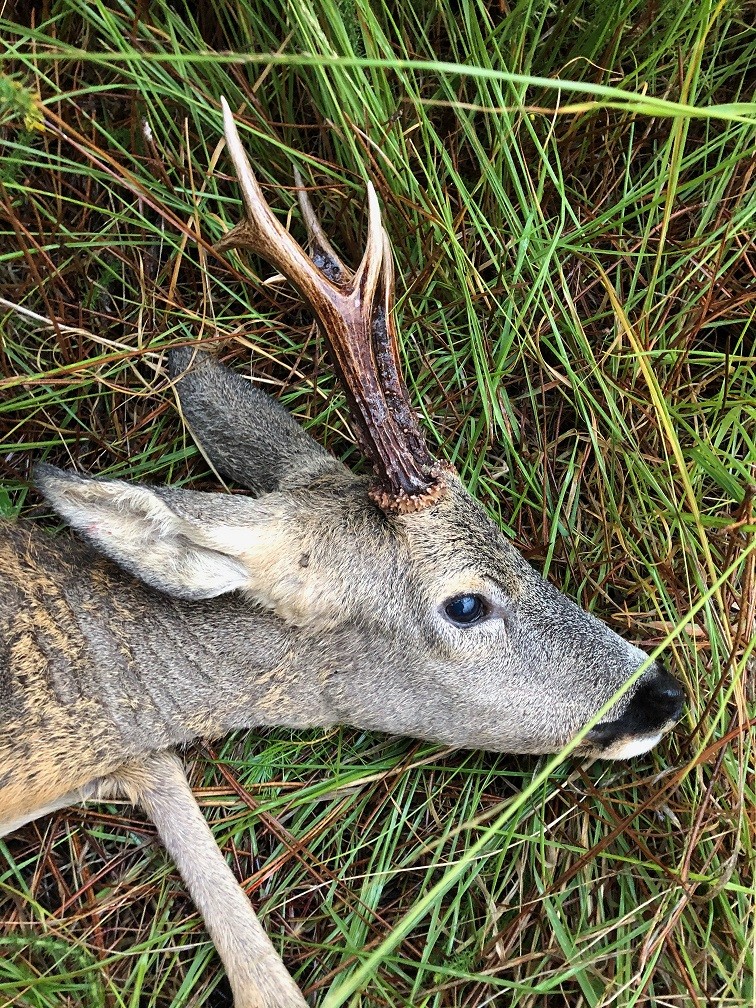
<point>631,747</point>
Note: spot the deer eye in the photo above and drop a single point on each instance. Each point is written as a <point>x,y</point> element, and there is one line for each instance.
<point>465,609</point>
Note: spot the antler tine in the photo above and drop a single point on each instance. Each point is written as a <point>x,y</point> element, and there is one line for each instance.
<point>370,269</point>
<point>260,230</point>
<point>354,313</point>
<point>322,252</point>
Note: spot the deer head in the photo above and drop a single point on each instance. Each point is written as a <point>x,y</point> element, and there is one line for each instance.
<point>415,613</point>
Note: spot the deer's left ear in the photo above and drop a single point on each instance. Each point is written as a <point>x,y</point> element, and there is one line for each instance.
<point>194,545</point>
<point>242,431</point>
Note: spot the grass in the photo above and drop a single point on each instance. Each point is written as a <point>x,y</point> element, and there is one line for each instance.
<point>570,193</point>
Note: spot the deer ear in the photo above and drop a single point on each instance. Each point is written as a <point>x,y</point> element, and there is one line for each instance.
<point>197,545</point>
<point>186,544</point>
<point>242,432</point>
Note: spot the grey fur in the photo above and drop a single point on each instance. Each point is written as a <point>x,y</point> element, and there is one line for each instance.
<point>177,614</point>
<point>268,446</point>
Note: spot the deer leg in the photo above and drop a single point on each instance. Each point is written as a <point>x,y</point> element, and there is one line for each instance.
<point>255,971</point>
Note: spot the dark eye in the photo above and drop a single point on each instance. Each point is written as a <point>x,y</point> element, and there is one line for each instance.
<point>465,609</point>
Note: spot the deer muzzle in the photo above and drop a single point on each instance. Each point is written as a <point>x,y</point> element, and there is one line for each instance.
<point>656,706</point>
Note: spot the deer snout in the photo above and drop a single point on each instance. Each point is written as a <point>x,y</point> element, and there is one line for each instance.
<point>656,705</point>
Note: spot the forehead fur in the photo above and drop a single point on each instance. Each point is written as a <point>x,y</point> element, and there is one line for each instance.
<point>460,540</point>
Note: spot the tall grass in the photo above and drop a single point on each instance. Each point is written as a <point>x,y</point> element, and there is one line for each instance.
<point>570,193</point>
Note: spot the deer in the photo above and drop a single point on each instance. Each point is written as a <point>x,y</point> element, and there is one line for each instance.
<point>389,602</point>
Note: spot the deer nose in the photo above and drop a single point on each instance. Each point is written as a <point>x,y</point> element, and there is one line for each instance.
<point>658,701</point>
<point>661,694</point>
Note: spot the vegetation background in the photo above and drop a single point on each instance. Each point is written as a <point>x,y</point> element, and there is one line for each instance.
<point>570,192</point>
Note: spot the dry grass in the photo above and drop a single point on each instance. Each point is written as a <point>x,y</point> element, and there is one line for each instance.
<point>578,289</point>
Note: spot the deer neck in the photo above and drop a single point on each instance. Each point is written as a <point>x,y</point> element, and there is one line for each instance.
<point>231,665</point>
<point>164,671</point>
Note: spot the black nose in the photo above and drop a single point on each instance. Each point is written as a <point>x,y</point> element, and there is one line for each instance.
<point>660,694</point>
<point>659,700</point>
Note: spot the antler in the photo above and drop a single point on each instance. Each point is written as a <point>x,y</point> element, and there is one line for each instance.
<point>355,315</point>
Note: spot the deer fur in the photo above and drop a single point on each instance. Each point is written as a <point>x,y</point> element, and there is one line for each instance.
<point>171,615</point>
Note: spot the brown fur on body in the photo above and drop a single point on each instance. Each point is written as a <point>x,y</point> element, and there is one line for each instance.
<point>97,669</point>
<point>99,676</point>
<point>57,733</point>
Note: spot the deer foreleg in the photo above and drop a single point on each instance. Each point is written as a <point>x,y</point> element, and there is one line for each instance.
<point>255,971</point>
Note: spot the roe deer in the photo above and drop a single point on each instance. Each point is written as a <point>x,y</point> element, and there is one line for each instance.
<point>394,605</point>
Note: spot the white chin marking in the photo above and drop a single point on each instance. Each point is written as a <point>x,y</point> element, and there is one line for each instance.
<point>631,747</point>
